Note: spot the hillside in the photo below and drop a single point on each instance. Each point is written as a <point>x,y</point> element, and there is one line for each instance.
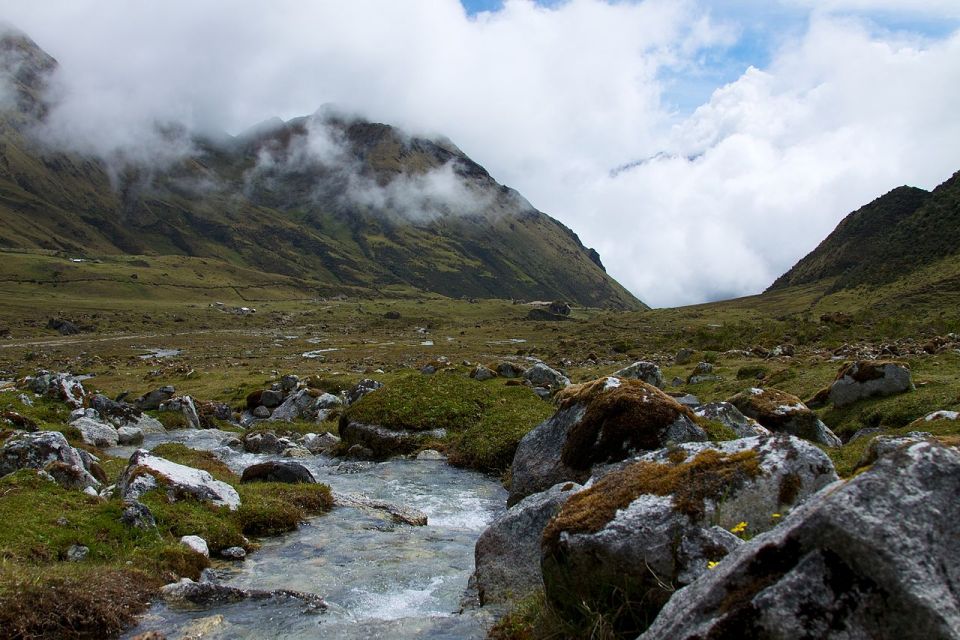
<point>895,235</point>
<point>332,200</point>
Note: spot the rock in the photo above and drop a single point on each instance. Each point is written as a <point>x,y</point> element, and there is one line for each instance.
<point>624,544</point>
<point>262,442</point>
<point>398,513</point>
<point>40,450</point>
<point>289,383</point>
<point>729,416</point>
<point>684,356</point>
<point>392,315</point>
<point>59,386</point>
<point>676,382</point>
<point>146,424</point>
<point>873,557</point>
<point>509,370</point>
<point>885,445</point>
<point>508,551</point>
<point>540,375</point>
<point>196,544</point>
<point>186,407</point>
<point>210,411</point>
<point>542,392</point>
<point>129,435</point>
<point>559,308</point>
<point>869,378</point>
<point>136,514</point>
<point>261,412</point>
<point>431,454</point>
<point>232,442</point>
<point>77,552</point>
<point>784,413</point>
<point>641,370</point>
<point>686,399</point>
<point>233,553</point>
<point>146,472</point>
<point>304,405</point>
<point>603,421</point>
<point>296,452</point>
<point>544,316</point>
<point>940,415</point>
<point>118,413</point>
<point>783,350</point>
<point>270,398</point>
<point>210,594</point>
<point>859,434</point>
<point>151,401</point>
<point>355,451</point>
<point>18,421</point>
<point>278,471</point>
<point>382,442</point>
<point>63,327</point>
<point>428,369</point>
<point>361,389</point>
<point>481,373</point>
<point>319,443</point>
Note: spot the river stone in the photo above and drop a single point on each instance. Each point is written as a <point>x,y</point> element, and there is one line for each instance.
<point>382,442</point>
<point>508,551</point>
<point>869,378</point>
<point>729,416</point>
<point>598,422</point>
<point>296,452</point>
<point>278,471</point>
<point>431,455</point>
<point>621,546</point>
<point>874,557</point>
<point>784,413</point>
<point>196,544</point>
<point>398,513</point>
<point>129,435</point>
<point>233,553</point>
<point>96,432</point>
<point>210,594</point>
<point>146,472</point>
<point>642,370</point>
<point>540,375</point>
<point>152,400</point>
<point>318,443</point>
<point>41,449</point>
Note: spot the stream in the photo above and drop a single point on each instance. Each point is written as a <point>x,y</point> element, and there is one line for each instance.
<point>380,579</point>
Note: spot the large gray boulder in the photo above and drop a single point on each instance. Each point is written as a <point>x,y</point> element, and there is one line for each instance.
<point>95,431</point>
<point>147,472</point>
<point>599,422</point>
<point>186,407</point>
<point>626,542</point>
<point>152,400</point>
<point>641,370</point>
<point>782,412</point>
<point>731,417</point>
<point>874,557</point>
<point>306,404</point>
<point>540,375</point>
<point>508,551</point>
<point>285,471</point>
<point>869,378</point>
<point>60,386</point>
<point>48,451</point>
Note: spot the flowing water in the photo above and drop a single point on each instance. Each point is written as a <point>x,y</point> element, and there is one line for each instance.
<point>380,579</point>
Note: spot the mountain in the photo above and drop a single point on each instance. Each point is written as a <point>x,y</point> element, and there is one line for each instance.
<point>895,235</point>
<point>325,198</point>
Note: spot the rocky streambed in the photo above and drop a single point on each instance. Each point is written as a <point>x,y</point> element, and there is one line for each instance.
<point>378,577</point>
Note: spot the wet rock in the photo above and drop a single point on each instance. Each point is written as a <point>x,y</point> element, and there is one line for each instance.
<point>129,436</point>
<point>508,551</point>
<point>873,557</point>
<point>481,373</point>
<point>210,594</point>
<point>41,449</point>
<point>431,455</point>
<point>603,421</point>
<point>869,378</point>
<point>262,442</point>
<point>784,413</point>
<point>398,513</point>
<point>731,417</point>
<point>361,389</point>
<point>315,443</point>
<point>359,452</point>
<point>296,452</point>
<point>152,400</point>
<point>196,544</point>
<point>540,375</point>
<point>232,442</point>
<point>627,541</point>
<point>147,472</point>
<point>384,443</point>
<point>278,471</point>
<point>137,515</point>
<point>233,553</point>
<point>646,371</point>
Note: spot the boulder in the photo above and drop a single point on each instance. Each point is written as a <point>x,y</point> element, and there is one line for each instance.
<point>684,356</point>
<point>209,594</point>
<point>361,389</point>
<point>196,544</point>
<point>19,422</point>
<point>315,443</point>
<point>559,308</point>
<point>509,370</point>
<point>278,471</point>
<point>481,373</point>
<point>540,375</point>
<point>63,327</point>
<point>152,400</point>
<point>186,407</point>
<point>47,449</point>
<point>869,378</point>
<point>137,515</point>
<point>625,543</point>
<point>146,424</point>
<point>261,412</point>
<point>884,445</point>
<point>96,432</point>
<point>544,315</point>
<point>118,413</point>
<point>289,383</point>
<point>603,421</point>
<point>641,370</point>
<point>508,551</point>
<point>382,442</point>
<point>784,413</point>
<point>270,398</point>
<point>129,435</point>
<point>146,472</point>
<point>60,386</point>
<point>731,417</point>
<point>874,557</point>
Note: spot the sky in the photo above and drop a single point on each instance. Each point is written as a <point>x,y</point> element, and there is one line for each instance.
<point>701,147</point>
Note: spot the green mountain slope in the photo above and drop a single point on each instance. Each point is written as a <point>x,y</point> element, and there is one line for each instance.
<point>895,235</point>
<point>332,200</point>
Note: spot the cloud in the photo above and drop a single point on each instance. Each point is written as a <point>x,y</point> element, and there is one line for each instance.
<point>550,100</point>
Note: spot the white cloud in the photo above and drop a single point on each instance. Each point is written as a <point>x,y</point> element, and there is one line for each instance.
<point>550,100</point>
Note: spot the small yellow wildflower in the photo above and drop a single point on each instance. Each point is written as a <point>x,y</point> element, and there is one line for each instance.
<point>711,564</point>
<point>739,528</point>
<point>775,516</point>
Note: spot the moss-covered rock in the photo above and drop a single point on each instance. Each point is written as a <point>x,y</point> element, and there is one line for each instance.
<point>782,412</point>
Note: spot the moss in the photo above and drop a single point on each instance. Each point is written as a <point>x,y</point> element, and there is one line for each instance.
<point>790,485</point>
<point>867,370</point>
<point>171,420</point>
<point>709,475</point>
<point>270,508</point>
<point>533,618</point>
<point>617,421</point>
<point>717,431</point>
<point>752,372</point>
<point>765,407</point>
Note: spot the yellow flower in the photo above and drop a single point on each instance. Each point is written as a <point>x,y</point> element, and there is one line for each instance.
<point>740,528</point>
<point>711,564</point>
<point>775,516</point>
